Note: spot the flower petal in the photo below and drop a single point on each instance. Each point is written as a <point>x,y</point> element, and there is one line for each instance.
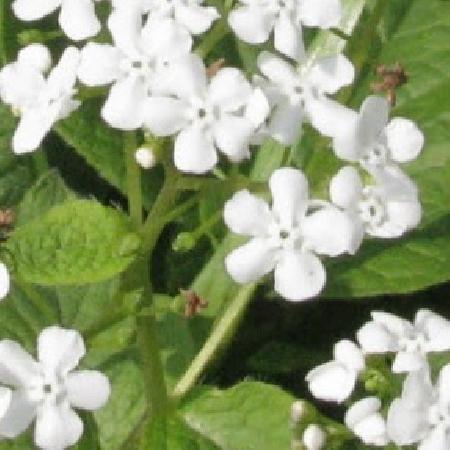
<point>373,118</point>
<point>196,18</point>
<point>57,426</point>
<point>35,55</point>
<point>372,430</point>
<point>299,276</point>
<point>4,281</point>
<point>361,410</point>
<point>61,80</point>
<point>78,19</point>
<point>443,385</point>
<point>276,69</point>
<point>125,25</point>
<point>285,122</point>
<point>346,188</point>
<point>404,139</point>
<point>251,24</point>
<point>375,338</point>
<point>394,324</point>
<point>88,389</point>
<point>436,328</point>
<point>320,13</point>
<point>194,151</point>
<point>289,189</point>
<point>165,116</point>
<point>438,439</point>
<point>5,401</point>
<point>247,214</point>
<point>251,261</point>
<point>349,354</point>
<point>18,416</point>
<point>257,108</point>
<point>60,349</point>
<point>409,362</point>
<point>99,65</point>
<point>123,108</point>
<point>331,382</point>
<point>288,38</point>
<point>34,9</point>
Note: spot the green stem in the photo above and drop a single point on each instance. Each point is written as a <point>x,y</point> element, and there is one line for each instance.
<point>214,36</point>
<point>134,188</point>
<point>218,339</point>
<point>181,209</point>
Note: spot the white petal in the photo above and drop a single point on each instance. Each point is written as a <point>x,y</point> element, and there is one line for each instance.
<point>375,338</point>
<point>349,354</point>
<point>289,189</point>
<point>373,118</point>
<point>60,349</point>
<point>196,18</point>
<point>251,24</point>
<point>394,324</point>
<point>57,427</point>
<point>299,276</point>
<point>5,401</point>
<point>276,69</point>
<point>408,362</point>
<point>444,385</point>
<point>285,122</point>
<point>164,116</point>
<point>229,90</point>
<point>34,9</point>
<point>88,389</point>
<point>288,38</point>
<point>438,439</point>
<point>35,55</point>
<point>123,108</point>
<point>331,382</point>
<point>251,261</point>
<point>372,430</point>
<point>404,139</point>
<point>17,367</point>
<point>321,13</point>
<point>329,231</point>
<point>314,438</point>
<point>194,151</point>
<point>4,281</point>
<point>331,74</point>
<point>247,214</point>
<point>257,108</point>
<point>78,19</point>
<point>436,328</point>
<point>346,188</point>
<point>19,415</point>
<point>100,64</point>
<point>125,25</point>
<point>417,389</point>
<point>232,135</point>
<point>63,77</point>
<point>361,410</point>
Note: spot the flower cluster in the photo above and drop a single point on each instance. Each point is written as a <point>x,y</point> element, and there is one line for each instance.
<point>421,413</point>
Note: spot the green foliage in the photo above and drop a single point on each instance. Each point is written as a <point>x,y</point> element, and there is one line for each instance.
<point>77,242</point>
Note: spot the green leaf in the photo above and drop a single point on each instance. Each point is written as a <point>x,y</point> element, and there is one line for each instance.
<point>77,242</point>
<point>421,258</point>
<point>248,416</point>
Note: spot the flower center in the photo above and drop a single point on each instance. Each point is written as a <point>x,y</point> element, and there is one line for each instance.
<point>372,210</point>
<point>413,343</point>
<point>376,155</point>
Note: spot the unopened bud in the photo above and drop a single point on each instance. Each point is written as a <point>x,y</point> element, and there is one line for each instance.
<point>297,411</point>
<point>145,157</point>
<point>184,242</point>
<point>314,437</point>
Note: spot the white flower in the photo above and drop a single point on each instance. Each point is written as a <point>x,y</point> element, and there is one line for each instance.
<point>335,381</point>
<point>132,65</point>
<point>371,139</point>
<point>365,420</point>
<point>299,92</point>
<point>422,413</point>
<point>314,437</point>
<point>254,21</point>
<point>4,281</point>
<point>48,389</point>
<point>39,101</point>
<point>410,341</point>
<point>145,157</point>
<point>387,209</point>
<point>207,115</point>
<point>287,237</point>
<point>77,17</point>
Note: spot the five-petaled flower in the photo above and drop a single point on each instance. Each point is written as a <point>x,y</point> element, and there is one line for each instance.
<point>387,333</point>
<point>48,389</point>
<point>40,101</point>
<point>254,21</point>
<point>288,237</point>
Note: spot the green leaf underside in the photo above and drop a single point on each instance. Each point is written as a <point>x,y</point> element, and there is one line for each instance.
<point>77,242</point>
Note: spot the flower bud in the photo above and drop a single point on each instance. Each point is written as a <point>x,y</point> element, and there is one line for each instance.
<point>145,157</point>
<point>297,411</point>
<point>184,242</point>
<point>314,437</point>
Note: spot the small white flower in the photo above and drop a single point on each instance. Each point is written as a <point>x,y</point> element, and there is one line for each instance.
<point>369,137</point>
<point>4,281</point>
<point>365,420</point>
<point>314,437</point>
<point>422,413</point>
<point>254,21</point>
<point>132,65</point>
<point>387,209</point>
<point>335,381</point>
<point>410,341</point>
<point>39,101</point>
<point>299,92</point>
<point>286,237</point>
<point>77,17</point>
<point>145,157</point>
<point>206,115</point>
<point>48,389</point>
